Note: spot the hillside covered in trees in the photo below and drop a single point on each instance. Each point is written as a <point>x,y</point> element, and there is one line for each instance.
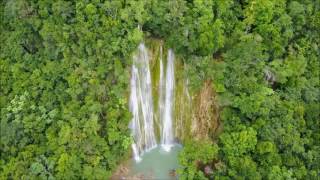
<point>65,78</point>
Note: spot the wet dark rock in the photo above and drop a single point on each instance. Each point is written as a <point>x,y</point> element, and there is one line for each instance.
<point>173,173</point>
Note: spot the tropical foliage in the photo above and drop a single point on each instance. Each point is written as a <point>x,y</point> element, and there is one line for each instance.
<point>64,84</point>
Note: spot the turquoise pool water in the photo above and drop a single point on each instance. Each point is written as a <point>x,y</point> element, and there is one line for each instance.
<point>157,163</point>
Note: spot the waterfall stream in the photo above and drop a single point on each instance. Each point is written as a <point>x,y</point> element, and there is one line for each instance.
<point>167,131</point>
<point>141,103</point>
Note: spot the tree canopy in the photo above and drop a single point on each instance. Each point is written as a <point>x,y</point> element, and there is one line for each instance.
<point>65,74</point>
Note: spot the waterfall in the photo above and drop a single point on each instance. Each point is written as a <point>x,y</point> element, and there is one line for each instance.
<point>141,104</point>
<point>161,102</point>
<point>167,130</point>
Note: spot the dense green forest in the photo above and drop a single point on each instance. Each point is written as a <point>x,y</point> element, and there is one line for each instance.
<point>65,70</point>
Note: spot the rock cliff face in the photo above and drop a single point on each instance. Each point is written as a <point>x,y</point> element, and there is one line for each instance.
<point>205,120</point>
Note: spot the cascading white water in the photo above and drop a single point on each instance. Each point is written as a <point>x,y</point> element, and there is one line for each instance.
<point>167,130</point>
<point>161,102</point>
<point>141,104</point>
